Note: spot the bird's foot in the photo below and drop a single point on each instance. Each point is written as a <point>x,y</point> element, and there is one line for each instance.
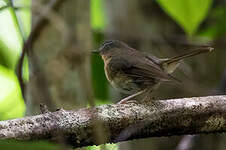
<point>148,98</point>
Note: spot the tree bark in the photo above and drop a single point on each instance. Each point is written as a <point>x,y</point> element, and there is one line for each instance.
<point>122,122</point>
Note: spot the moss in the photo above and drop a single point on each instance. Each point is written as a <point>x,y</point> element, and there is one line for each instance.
<point>213,123</point>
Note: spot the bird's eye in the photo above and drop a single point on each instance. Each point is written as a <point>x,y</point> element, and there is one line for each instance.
<point>108,44</point>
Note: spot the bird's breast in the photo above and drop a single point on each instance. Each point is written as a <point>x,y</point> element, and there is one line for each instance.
<point>107,70</point>
<point>119,80</point>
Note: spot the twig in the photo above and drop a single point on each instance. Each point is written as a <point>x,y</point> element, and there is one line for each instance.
<point>122,122</point>
<point>36,30</point>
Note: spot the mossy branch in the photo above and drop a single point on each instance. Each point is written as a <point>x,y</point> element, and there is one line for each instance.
<point>122,122</point>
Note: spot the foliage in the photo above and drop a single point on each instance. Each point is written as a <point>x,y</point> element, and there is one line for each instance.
<point>217,27</point>
<point>188,14</point>
<point>98,23</point>
<point>43,145</point>
<point>105,146</point>
<point>97,15</point>
<point>11,41</point>
<point>10,95</point>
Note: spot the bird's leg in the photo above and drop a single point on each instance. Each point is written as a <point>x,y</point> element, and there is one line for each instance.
<point>148,96</point>
<point>124,100</point>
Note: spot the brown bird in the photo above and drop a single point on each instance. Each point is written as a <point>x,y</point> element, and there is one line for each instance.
<point>133,72</point>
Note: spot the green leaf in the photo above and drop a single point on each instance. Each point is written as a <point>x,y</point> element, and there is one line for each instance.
<point>11,42</point>
<point>187,13</point>
<point>23,16</point>
<point>106,146</point>
<point>11,100</point>
<point>216,27</point>
<point>97,14</point>
<point>34,145</point>
<point>10,37</point>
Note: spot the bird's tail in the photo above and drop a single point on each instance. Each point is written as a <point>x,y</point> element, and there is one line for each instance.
<point>189,54</point>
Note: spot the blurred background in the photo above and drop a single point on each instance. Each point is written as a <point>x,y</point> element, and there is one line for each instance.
<point>56,38</point>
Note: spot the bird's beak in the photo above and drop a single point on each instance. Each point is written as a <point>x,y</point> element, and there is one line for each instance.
<point>95,51</point>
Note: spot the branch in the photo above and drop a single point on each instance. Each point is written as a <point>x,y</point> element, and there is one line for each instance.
<point>122,122</point>
<point>36,30</point>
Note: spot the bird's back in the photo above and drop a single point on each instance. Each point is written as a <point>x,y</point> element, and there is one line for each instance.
<point>131,72</point>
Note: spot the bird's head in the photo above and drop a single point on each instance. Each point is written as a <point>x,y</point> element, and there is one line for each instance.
<point>109,47</point>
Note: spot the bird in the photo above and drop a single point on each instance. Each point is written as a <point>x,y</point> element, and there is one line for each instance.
<point>133,72</point>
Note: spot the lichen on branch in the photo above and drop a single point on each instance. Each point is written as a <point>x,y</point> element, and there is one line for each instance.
<point>122,122</point>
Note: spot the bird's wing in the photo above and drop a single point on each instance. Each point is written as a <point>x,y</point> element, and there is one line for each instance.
<point>141,69</point>
<point>150,69</point>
